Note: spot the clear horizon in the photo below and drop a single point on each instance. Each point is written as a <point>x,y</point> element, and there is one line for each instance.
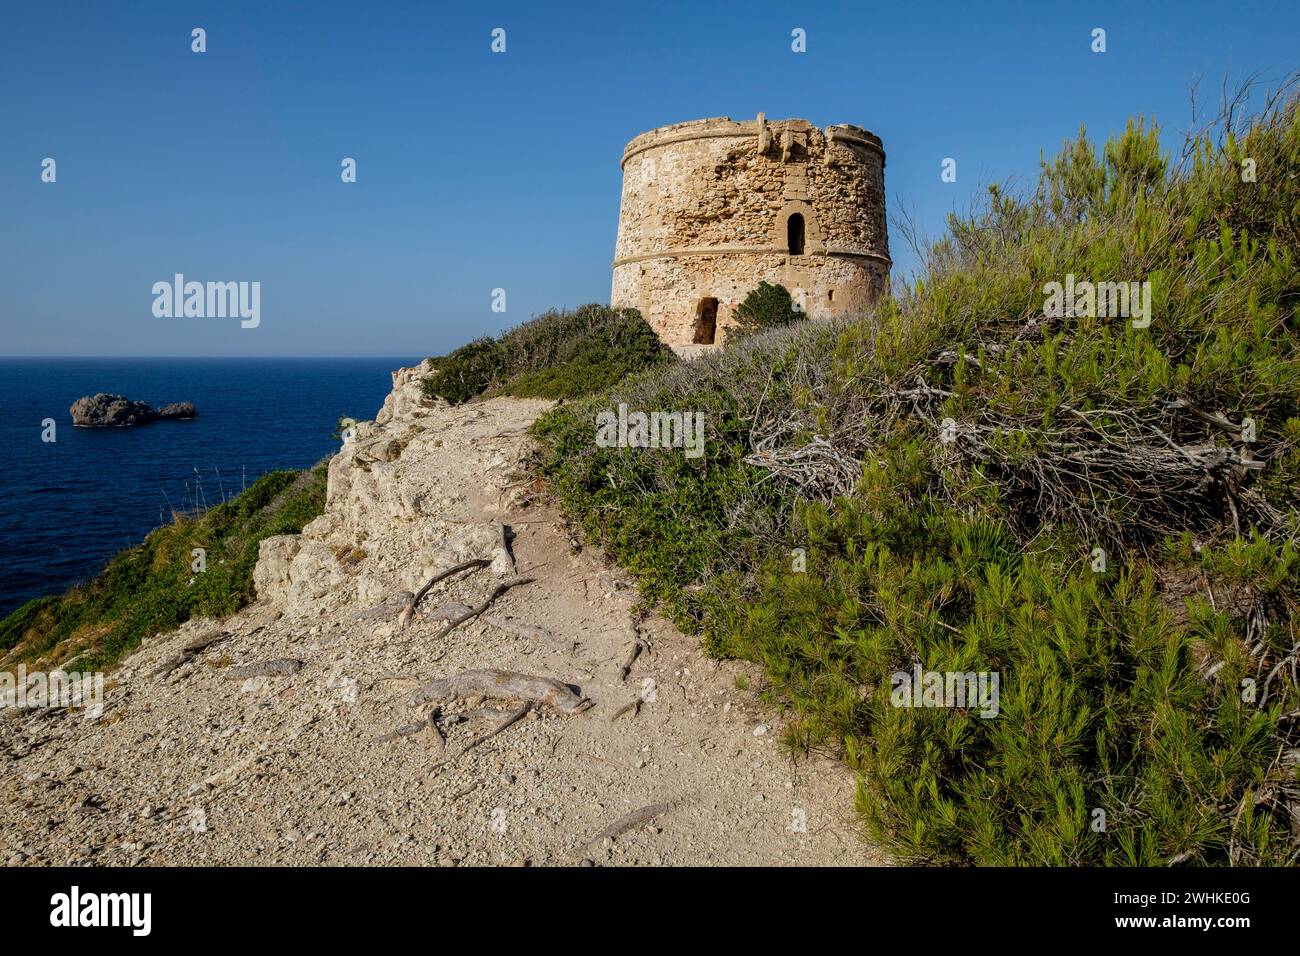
<point>478,170</point>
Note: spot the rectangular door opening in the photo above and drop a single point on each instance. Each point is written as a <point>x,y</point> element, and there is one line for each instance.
<point>706,321</point>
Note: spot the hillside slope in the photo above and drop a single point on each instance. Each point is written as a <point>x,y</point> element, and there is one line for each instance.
<point>189,764</point>
<point>1095,501</point>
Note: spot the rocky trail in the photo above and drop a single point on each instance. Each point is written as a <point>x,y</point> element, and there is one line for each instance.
<point>286,734</point>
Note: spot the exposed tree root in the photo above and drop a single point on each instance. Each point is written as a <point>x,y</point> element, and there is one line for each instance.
<point>512,718</point>
<point>189,652</point>
<point>384,611</point>
<point>638,645</point>
<point>408,608</point>
<point>405,603</point>
<point>472,613</point>
<point>634,819</point>
<point>408,730</point>
<point>432,721</point>
<point>634,707</point>
<point>282,666</point>
<point>501,685</point>
<point>527,631</point>
<point>530,632</point>
<point>446,612</point>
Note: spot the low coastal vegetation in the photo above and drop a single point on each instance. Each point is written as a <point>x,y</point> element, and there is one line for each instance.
<point>560,354</point>
<point>157,586</point>
<point>1095,505</point>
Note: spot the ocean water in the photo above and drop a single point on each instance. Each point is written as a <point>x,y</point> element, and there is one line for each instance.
<point>68,505</point>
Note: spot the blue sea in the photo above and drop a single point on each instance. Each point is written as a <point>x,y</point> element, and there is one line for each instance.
<point>69,505</point>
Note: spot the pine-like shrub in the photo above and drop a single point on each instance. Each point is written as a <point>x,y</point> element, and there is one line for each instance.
<point>767,306</point>
<point>465,373</point>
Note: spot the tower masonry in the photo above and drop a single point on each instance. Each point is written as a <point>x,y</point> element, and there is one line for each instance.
<point>713,207</point>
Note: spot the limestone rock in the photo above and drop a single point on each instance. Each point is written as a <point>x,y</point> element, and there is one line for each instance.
<point>271,575</point>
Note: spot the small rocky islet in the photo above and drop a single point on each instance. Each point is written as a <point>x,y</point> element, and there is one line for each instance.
<point>115,411</point>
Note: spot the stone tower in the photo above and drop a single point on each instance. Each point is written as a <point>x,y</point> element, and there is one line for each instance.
<point>712,207</point>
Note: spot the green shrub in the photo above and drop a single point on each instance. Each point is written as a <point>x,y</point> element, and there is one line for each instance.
<point>768,306</point>
<point>557,355</point>
<point>466,372</point>
<point>959,481</point>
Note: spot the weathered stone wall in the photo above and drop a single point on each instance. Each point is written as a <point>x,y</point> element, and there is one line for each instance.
<point>705,213</point>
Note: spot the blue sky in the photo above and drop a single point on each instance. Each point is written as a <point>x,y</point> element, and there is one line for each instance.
<point>479,171</point>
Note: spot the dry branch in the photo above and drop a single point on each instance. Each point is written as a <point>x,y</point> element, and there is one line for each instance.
<point>1122,474</point>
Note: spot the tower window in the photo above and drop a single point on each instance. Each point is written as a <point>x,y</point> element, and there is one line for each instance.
<point>830,295</point>
<point>794,234</point>
<point>706,322</point>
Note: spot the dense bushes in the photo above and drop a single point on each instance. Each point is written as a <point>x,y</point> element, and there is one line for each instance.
<point>466,372</point>
<point>965,482</point>
<point>152,588</point>
<point>557,355</point>
<point>767,306</point>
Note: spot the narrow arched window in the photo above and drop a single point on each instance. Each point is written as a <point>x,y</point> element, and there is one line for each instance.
<point>794,234</point>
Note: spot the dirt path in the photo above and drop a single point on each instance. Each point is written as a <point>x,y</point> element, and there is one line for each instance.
<point>194,766</point>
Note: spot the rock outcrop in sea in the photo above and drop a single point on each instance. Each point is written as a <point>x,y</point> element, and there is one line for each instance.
<point>105,410</point>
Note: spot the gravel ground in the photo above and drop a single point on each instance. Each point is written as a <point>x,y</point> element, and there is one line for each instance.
<point>193,765</point>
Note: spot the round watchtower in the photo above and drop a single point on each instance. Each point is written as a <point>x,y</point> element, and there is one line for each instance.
<point>713,207</point>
